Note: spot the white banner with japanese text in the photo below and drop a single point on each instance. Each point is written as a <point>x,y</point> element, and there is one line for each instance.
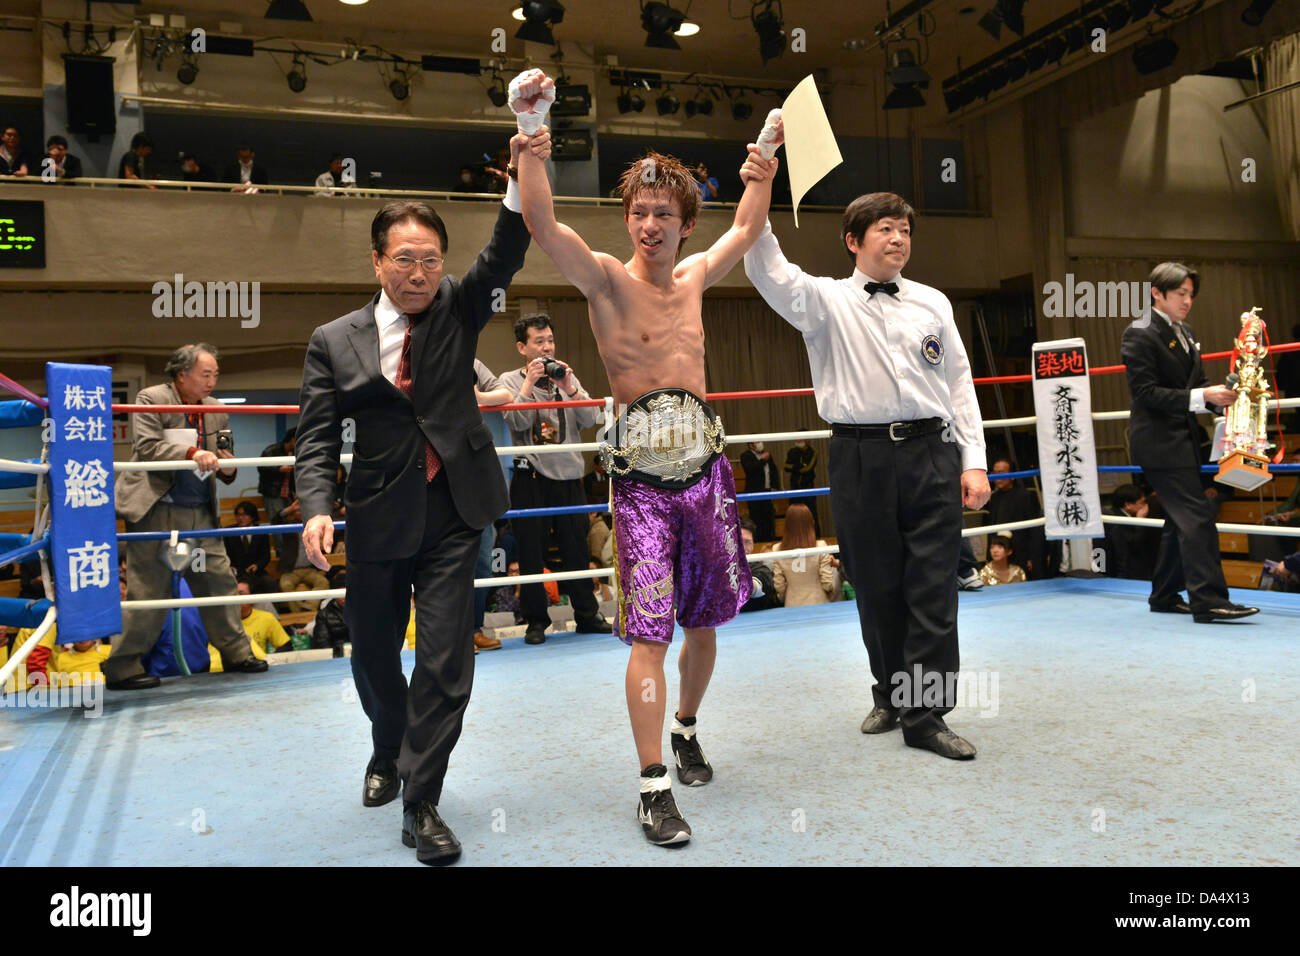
<point>1067,453</point>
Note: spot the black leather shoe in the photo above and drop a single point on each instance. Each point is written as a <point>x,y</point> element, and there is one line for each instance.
<point>880,720</point>
<point>134,682</point>
<point>1226,612</point>
<point>535,635</point>
<point>433,840</point>
<point>1173,607</point>
<point>250,665</point>
<point>947,744</point>
<point>382,783</point>
<point>595,625</point>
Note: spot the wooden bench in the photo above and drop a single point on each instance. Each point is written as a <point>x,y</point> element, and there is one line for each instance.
<point>1234,542</point>
<point>1242,574</point>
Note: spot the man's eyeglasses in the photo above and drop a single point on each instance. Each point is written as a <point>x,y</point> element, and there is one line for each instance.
<point>407,263</point>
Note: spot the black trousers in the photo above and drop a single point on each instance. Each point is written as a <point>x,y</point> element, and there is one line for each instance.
<point>417,726</point>
<point>897,513</point>
<point>528,489</point>
<point>1189,545</point>
<point>763,514</point>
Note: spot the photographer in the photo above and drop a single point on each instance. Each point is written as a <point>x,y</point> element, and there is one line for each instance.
<point>183,500</point>
<point>708,184</point>
<point>551,480</point>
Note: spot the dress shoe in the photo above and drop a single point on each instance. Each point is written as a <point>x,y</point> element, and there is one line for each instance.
<point>595,625</point>
<point>947,744</point>
<point>1172,607</point>
<point>880,720</point>
<point>432,839</point>
<point>1225,612</point>
<point>134,682</point>
<point>484,643</point>
<point>250,665</point>
<point>382,783</point>
<point>535,635</point>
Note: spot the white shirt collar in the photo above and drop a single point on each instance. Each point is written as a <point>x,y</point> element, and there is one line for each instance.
<point>386,313</point>
<point>860,279</point>
<point>1163,316</point>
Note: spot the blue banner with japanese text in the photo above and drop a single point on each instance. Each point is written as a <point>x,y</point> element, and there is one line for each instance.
<point>83,524</point>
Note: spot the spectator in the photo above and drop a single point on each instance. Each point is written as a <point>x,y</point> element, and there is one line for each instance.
<point>468,181</point>
<point>761,475</point>
<point>35,670</point>
<point>764,583</point>
<point>263,629</point>
<point>328,181</point>
<point>999,569</point>
<point>1010,501</point>
<point>600,585</point>
<point>331,628</point>
<point>66,166</point>
<point>13,160</point>
<point>1286,571</point>
<point>1132,550</point>
<point>135,164</point>
<point>301,575</point>
<point>801,472</point>
<point>249,553</point>
<point>802,581</point>
<point>194,171</point>
<point>507,598</point>
<point>164,500</point>
<point>488,390</point>
<point>551,480</point>
<point>496,172</point>
<point>244,172</point>
<point>595,484</point>
<point>275,483</point>
<point>1287,378</point>
<point>80,663</point>
<point>597,534</point>
<point>708,185</point>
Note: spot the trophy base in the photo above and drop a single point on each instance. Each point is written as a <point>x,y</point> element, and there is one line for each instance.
<point>1243,470</point>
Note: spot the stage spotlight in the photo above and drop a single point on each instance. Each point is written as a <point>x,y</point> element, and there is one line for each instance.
<point>297,77</point>
<point>497,92</point>
<point>997,78</point>
<point>1055,47</point>
<point>399,86</point>
<point>1017,67</point>
<point>188,72</point>
<point>1117,15</point>
<point>1154,54</point>
<point>539,16</point>
<point>907,79</point>
<point>629,101</point>
<point>660,22</point>
<point>1254,14</point>
<point>742,110</point>
<point>766,15</point>
<point>667,104</point>
<point>903,98</point>
<point>1076,38</point>
<point>991,23</point>
<point>1012,13</point>
<point>702,105</point>
<point>288,10</point>
<point>1037,57</point>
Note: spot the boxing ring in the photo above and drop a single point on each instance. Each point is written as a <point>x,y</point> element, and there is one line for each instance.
<point>1107,735</point>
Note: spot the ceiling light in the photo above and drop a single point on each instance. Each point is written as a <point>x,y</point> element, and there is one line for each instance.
<point>661,22</point>
<point>539,16</point>
<point>667,104</point>
<point>742,110</point>
<point>399,86</point>
<point>906,79</point>
<point>288,10</point>
<point>297,77</point>
<point>702,105</point>
<point>991,24</point>
<point>687,29</point>
<point>768,23</point>
<point>1012,13</point>
<point>497,91</point>
<point>1153,55</point>
<point>1055,47</point>
<point>630,101</point>
<point>903,98</point>
<point>188,72</point>
<point>1117,15</point>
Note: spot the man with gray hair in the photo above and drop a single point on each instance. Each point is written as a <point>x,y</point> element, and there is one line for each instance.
<point>182,500</point>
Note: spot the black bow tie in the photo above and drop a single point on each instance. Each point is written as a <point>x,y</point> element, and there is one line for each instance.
<point>889,288</point>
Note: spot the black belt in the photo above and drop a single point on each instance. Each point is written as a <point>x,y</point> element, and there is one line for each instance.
<point>894,431</point>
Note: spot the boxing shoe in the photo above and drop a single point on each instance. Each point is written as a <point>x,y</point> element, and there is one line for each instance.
<point>880,720</point>
<point>947,744</point>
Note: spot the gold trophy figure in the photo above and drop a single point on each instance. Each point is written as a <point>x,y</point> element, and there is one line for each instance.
<point>1244,463</point>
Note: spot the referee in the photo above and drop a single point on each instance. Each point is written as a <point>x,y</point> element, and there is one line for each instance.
<point>907,451</point>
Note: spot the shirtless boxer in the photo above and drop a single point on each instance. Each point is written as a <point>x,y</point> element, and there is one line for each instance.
<point>676,523</point>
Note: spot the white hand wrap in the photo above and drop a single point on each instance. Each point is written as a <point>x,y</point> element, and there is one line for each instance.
<point>529,120</point>
<point>765,147</point>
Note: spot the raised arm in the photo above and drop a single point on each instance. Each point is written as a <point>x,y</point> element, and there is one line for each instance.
<point>531,93</point>
<point>751,213</point>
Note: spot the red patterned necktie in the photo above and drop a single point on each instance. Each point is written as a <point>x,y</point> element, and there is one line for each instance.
<point>432,463</point>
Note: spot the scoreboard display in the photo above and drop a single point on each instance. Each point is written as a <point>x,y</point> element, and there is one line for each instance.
<point>22,234</point>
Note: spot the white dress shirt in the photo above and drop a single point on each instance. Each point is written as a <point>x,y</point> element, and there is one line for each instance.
<point>392,323</point>
<point>868,354</point>
<point>1196,400</point>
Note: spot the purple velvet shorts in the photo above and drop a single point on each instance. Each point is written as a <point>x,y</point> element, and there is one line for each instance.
<point>678,547</point>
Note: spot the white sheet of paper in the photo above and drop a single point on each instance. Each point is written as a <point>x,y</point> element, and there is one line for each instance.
<point>189,437</point>
<point>810,148</point>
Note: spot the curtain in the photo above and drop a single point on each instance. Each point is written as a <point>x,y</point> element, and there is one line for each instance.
<point>1282,66</point>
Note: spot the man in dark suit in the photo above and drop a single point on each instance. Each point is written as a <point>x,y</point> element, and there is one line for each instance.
<point>245,172</point>
<point>425,481</point>
<point>1168,387</point>
<point>62,167</point>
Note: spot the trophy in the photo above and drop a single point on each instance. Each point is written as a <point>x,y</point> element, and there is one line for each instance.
<point>1245,440</point>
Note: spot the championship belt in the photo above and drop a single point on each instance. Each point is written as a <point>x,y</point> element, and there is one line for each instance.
<point>667,438</point>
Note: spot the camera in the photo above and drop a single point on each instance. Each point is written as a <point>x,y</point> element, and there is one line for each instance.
<point>553,370</point>
<point>225,440</point>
